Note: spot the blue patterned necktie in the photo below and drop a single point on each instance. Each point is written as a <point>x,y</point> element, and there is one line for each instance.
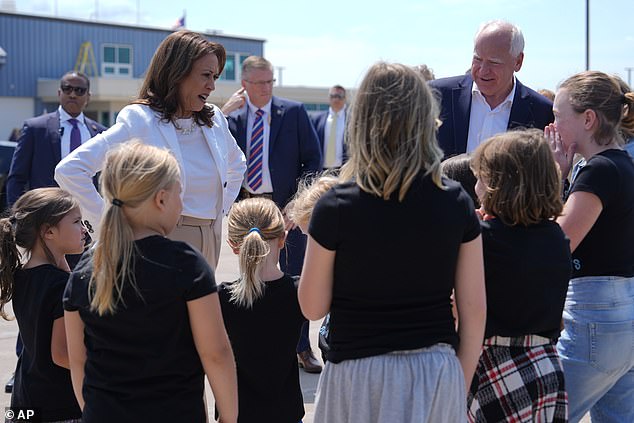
<point>254,169</point>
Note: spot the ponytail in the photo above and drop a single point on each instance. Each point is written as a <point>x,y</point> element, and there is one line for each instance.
<point>252,224</point>
<point>9,263</point>
<point>113,261</point>
<point>36,209</point>
<point>627,122</point>
<point>132,174</point>
<point>253,251</point>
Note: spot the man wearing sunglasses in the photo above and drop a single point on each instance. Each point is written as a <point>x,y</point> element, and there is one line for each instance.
<point>331,128</point>
<point>45,139</point>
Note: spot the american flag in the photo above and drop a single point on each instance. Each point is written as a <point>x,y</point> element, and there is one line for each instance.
<point>179,23</point>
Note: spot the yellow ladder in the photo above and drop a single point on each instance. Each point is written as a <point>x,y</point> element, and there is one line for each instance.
<point>85,62</point>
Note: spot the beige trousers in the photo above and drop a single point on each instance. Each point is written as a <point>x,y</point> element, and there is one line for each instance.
<point>202,234</point>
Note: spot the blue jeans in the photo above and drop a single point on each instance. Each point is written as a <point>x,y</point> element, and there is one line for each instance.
<point>597,348</point>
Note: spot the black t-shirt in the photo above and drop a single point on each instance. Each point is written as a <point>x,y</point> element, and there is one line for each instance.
<point>394,266</point>
<point>141,361</point>
<point>268,382</point>
<point>40,383</point>
<point>527,271</point>
<point>608,248</point>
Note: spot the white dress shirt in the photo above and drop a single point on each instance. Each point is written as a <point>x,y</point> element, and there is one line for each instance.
<point>484,122</point>
<point>267,185</point>
<point>67,127</point>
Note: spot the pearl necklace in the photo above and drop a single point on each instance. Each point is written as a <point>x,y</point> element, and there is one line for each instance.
<point>187,130</point>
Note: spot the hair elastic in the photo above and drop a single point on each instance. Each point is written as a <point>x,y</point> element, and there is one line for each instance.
<point>117,202</point>
<point>254,230</point>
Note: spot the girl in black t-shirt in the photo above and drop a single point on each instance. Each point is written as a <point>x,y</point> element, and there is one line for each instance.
<point>46,224</point>
<point>592,111</point>
<point>527,267</point>
<point>261,308</point>
<point>386,247</point>
<point>143,319</point>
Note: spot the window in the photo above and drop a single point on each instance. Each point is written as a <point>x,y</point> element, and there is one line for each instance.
<point>117,60</point>
<point>229,72</point>
<point>233,66</point>
<point>316,107</point>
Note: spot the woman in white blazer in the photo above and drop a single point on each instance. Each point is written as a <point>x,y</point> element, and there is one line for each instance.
<point>171,112</point>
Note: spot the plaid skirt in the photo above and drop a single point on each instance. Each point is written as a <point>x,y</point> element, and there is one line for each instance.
<point>518,380</point>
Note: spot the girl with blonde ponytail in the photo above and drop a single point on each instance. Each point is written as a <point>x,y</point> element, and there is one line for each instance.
<point>143,318</point>
<point>261,308</point>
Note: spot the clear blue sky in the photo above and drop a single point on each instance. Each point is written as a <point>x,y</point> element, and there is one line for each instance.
<point>321,43</point>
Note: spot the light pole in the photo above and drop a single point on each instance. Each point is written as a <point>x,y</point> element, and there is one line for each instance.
<point>629,75</point>
<point>587,34</point>
<point>279,75</point>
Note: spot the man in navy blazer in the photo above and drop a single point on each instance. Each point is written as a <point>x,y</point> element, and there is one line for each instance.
<point>285,149</point>
<point>490,99</point>
<point>42,142</point>
<point>331,134</point>
<point>45,139</point>
<point>291,147</point>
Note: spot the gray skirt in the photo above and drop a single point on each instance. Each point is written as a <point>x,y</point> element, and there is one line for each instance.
<point>423,385</point>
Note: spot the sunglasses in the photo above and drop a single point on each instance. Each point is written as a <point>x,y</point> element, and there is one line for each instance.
<point>339,96</point>
<point>67,89</point>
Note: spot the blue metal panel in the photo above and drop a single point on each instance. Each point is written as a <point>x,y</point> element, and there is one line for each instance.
<point>47,47</point>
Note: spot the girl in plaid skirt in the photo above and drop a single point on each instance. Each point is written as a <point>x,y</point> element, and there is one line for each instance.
<point>519,377</point>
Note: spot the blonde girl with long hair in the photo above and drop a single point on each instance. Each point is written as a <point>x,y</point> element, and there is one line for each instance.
<point>261,308</point>
<point>43,226</point>
<point>143,320</point>
<point>386,247</point>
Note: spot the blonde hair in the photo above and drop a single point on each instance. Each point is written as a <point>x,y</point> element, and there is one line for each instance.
<point>392,132</point>
<point>300,208</point>
<point>255,63</point>
<point>523,182</point>
<point>252,223</point>
<point>132,174</point>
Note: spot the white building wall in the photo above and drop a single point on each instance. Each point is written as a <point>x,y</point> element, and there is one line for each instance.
<point>13,112</point>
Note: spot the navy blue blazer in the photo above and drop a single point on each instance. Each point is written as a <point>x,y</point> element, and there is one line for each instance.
<point>37,153</point>
<point>319,122</point>
<point>293,145</point>
<point>529,110</point>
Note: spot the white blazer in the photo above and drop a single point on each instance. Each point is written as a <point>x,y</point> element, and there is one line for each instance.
<point>75,172</point>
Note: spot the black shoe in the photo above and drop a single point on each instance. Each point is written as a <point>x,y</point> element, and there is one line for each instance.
<point>8,388</point>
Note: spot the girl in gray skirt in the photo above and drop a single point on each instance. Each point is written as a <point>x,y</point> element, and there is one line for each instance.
<point>386,248</point>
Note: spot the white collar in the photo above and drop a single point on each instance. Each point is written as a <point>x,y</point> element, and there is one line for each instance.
<point>339,113</point>
<point>507,101</point>
<point>64,116</point>
<point>266,108</point>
